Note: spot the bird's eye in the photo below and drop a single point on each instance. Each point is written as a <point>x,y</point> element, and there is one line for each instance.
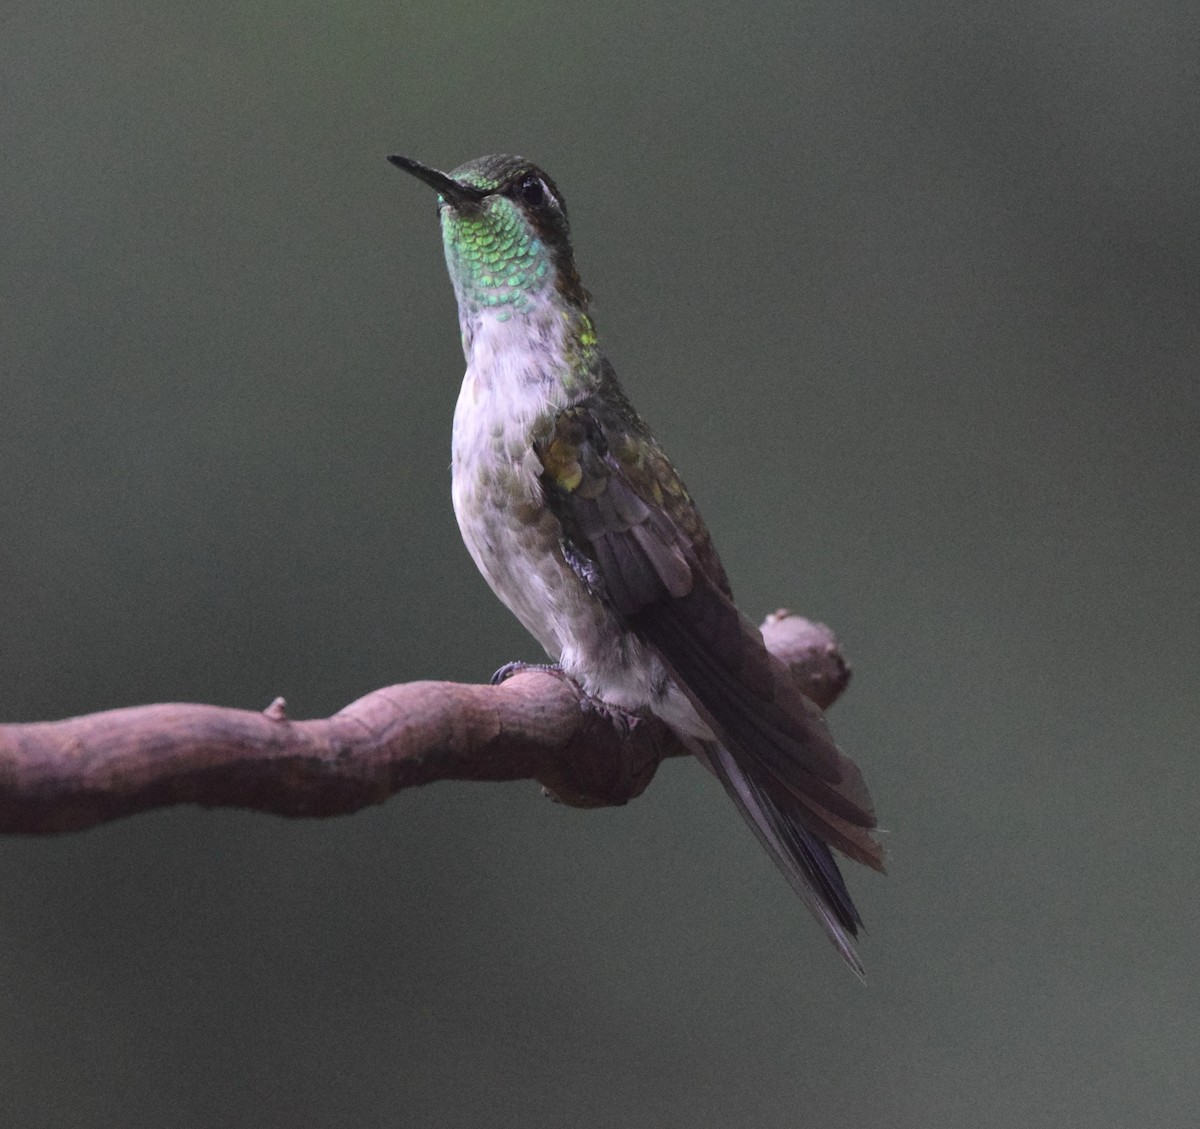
<point>532,191</point>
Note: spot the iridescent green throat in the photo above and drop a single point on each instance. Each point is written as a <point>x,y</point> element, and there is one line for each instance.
<point>495,261</point>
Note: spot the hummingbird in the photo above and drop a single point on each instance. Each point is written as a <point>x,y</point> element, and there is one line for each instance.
<point>580,524</point>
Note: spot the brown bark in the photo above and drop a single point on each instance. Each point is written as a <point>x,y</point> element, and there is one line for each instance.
<point>70,775</point>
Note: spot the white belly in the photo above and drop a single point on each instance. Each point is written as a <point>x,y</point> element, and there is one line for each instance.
<point>509,398</point>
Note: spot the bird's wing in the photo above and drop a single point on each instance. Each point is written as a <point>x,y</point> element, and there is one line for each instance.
<point>633,534</point>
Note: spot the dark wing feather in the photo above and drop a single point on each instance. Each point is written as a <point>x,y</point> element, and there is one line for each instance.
<point>635,536</point>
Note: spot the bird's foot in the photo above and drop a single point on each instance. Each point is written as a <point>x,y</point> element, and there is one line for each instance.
<point>622,720</point>
<point>615,774</point>
<point>613,770</point>
<point>518,667</point>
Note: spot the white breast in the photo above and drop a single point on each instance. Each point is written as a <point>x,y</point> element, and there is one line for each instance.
<point>513,381</point>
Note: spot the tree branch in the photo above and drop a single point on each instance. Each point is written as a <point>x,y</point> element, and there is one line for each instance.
<point>70,775</point>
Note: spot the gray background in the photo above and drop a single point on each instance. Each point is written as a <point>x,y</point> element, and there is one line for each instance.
<point>910,292</point>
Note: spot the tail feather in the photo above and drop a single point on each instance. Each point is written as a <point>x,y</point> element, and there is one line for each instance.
<point>779,763</point>
<point>805,861</point>
<point>749,700</point>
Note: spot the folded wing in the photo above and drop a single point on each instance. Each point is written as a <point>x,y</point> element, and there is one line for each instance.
<point>633,534</point>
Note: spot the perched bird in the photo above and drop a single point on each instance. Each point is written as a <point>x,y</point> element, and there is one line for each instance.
<point>579,522</point>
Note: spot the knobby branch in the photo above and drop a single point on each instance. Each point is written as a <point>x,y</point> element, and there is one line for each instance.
<point>73,774</point>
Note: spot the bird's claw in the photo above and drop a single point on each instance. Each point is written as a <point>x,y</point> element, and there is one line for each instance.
<point>517,667</point>
<point>622,720</point>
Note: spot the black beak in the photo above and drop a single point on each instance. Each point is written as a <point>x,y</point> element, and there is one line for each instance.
<point>455,194</point>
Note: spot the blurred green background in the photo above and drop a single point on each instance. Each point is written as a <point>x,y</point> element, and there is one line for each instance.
<point>910,293</point>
